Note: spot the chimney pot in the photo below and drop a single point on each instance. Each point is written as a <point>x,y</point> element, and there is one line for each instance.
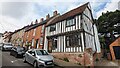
<point>54,13</point>
<point>47,16</point>
<point>41,19</point>
<point>32,23</point>
<point>36,21</point>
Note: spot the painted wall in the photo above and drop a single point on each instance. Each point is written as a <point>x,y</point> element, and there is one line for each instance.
<point>17,37</point>
<point>85,23</point>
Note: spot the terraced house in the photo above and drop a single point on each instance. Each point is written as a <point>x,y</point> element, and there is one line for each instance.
<point>17,36</point>
<point>73,31</point>
<point>34,35</point>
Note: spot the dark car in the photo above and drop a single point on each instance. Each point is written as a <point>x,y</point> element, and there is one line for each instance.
<point>17,51</point>
<point>6,46</point>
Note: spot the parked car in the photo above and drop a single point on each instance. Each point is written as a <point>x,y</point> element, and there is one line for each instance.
<point>38,58</point>
<point>6,46</point>
<point>17,51</point>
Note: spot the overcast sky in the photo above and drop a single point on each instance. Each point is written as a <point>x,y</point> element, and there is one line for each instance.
<point>14,14</point>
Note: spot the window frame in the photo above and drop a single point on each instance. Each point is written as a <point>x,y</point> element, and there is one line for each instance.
<point>41,42</point>
<point>70,22</point>
<point>73,41</point>
<point>34,32</point>
<point>53,28</point>
<point>42,29</point>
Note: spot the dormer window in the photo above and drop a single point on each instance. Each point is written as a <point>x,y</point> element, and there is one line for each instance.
<point>52,28</point>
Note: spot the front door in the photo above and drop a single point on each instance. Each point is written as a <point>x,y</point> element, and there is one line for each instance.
<point>49,45</point>
<point>36,45</point>
<point>117,51</point>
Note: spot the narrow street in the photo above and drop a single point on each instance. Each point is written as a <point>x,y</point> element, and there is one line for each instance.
<point>12,62</point>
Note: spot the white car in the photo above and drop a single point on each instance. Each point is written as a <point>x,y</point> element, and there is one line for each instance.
<point>6,46</point>
<point>39,58</point>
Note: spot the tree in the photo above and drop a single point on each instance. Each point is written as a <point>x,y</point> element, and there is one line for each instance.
<point>108,25</point>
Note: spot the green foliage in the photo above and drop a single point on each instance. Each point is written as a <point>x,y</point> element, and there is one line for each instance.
<point>80,55</point>
<point>97,59</point>
<point>28,44</point>
<point>107,27</point>
<point>66,59</point>
<point>79,63</point>
<point>60,58</point>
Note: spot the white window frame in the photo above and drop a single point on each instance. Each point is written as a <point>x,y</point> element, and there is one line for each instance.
<point>33,42</point>
<point>34,32</point>
<point>43,27</point>
<point>41,40</point>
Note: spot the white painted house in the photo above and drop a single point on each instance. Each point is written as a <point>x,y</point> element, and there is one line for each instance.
<point>73,31</point>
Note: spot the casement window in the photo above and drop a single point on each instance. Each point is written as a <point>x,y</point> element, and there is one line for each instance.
<point>34,32</point>
<point>41,40</point>
<point>70,22</point>
<point>42,29</point>
<point>52,28</point>
<point>73,40</point>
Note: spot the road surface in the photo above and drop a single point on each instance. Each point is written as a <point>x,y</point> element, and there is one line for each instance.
<point>9,61</point>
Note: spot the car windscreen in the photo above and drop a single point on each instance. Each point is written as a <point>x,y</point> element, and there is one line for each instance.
<point>20,49</point>
<point>41,52</point>
<point>7,45</point>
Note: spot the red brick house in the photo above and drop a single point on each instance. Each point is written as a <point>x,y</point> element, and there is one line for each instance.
<point>34,35</point>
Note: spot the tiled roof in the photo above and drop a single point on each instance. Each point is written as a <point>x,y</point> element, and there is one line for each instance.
<point>38,24</point>
<point>71,13</point>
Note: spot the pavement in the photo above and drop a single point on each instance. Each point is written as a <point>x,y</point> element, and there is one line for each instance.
<point>64,63</point>
<point>104,63</point>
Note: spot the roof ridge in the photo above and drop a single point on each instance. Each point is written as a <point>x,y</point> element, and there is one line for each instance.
<point>70,13</point>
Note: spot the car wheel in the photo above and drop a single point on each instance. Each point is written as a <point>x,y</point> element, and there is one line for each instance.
<point>2,49</point>
<point>41,66</point>
<point>35,65</point>
<point>16,55</point>
<point>24,60</point>
<point>10,53</point>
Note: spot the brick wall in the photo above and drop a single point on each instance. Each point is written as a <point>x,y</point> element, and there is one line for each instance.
<point>85,59</point>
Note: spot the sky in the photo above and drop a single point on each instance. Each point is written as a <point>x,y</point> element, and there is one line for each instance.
<point>15,14</point>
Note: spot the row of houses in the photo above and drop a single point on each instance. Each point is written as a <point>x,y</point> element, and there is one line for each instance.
<point>74,30</point>
<point>71,32</point>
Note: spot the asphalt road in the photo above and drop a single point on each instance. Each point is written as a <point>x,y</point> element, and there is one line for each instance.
<point>9,61</point>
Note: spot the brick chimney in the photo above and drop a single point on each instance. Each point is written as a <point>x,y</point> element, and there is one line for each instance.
<point>36,21</point>
<point>41,19</point>
<point>54,13</point>
<point>47,16</point>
